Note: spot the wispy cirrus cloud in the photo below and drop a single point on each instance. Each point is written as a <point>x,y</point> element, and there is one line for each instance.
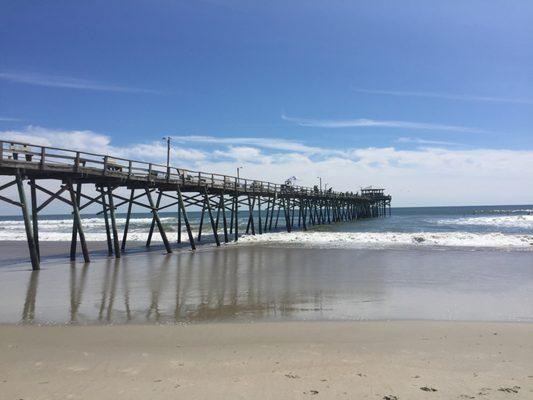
<point>266,143</point>
<point>7,119</point>
<point>415,140</point>
<point>66,82</point>
<point>446,96</point>
<point>365,122</point>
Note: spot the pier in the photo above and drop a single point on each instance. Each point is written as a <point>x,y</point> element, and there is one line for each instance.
<point>220,198</point>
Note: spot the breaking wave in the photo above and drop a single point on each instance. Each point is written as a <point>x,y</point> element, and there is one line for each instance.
<point>508,221</point>
<point>394,239</point>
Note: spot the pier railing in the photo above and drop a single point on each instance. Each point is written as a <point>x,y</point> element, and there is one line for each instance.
<point>54,159</point>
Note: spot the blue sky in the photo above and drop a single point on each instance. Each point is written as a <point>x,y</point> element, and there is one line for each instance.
<point>412,79</point>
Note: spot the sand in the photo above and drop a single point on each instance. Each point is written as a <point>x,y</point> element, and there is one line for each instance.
<point>283,360</point>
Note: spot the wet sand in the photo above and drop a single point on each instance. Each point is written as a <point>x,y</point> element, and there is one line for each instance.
<point>346,360</point>
<point>257,283</point>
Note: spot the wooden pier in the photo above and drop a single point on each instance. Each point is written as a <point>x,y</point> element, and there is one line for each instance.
<point>221,198</point>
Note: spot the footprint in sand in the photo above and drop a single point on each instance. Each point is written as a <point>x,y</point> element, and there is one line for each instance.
<point>428,389</point>
<point>292,376</point>
<point>390,397</point>
<point>513,389</point>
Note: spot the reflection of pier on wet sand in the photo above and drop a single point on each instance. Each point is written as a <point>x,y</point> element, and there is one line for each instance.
<point>268,283</point>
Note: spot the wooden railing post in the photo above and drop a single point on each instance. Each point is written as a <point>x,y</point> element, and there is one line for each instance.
<point>1,151</point>
<point>129,169</point>
<point>150,171</point>
<point>43,157</point>
<point>105,165</point>
<point>77,162</point>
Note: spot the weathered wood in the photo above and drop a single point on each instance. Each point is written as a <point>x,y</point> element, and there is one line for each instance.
<point>158,221</point>
<point>73,240</point>
<point>200,226</point>
<point>34,256</point>
<point>251,205</point>
<point>152,226</point>
<point>213,226</point>
<point>224,219</point>
<point>186,221</point>
<point>116,244</point>
<point>76,167</point>
<point>127,224</point>
<point>236,214</point>
<point>77,222</point>
<point>106,223</point>
<point>179,224</point>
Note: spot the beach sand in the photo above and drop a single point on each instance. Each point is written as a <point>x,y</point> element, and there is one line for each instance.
<point>229,324</point>
<point>347,360</point>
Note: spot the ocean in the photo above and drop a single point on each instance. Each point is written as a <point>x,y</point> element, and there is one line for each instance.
<point>439,263</point>
<point>498,227</point>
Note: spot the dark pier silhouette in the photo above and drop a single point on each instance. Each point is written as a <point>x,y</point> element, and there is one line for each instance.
<point>220,198</point>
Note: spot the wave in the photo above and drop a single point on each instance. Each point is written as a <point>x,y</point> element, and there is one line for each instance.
<point>510,221</point>
<point>394,239</point>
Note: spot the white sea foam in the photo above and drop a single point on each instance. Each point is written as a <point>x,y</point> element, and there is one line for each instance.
<point>394,239</point>
<point>507,221</point>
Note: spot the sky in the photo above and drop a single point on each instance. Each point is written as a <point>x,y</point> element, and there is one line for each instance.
<point>431,100</point>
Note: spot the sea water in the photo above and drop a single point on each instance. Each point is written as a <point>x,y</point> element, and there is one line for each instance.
<point>504,227</point>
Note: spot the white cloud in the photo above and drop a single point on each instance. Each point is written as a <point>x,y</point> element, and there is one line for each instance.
<point>7,119</point>
<point>365,122</point>
<point>67,82</point>
<point>93,142</point>
<point>267,143</point>
<point>86,140</point>
<point>422,176</point>
<point>428,142</point>
<point>239,153</point>
<point>447,96</point>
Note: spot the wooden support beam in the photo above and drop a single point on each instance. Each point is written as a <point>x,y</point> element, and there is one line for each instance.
<point>116,244</point>
<point>179,224</point>
<point>186,220</point>
<point>127,225</point>
<point>77,222</point>
<point>73,243</point>
<point>152,226</point>
<point>224,220</point>
<point>34,256</point>
<point>273,207</point>
<point>251,205</point>
<point>158,221</point>
<point>34,217</point>
<point>5,186</point>
<point>236,214</point>
<point>53,196</point>
<point>91,201</point>
<point>15,203</point>
<point>260,222</point>
<point>213,226</point>
<point>200,226</point>
<point>106,223</point>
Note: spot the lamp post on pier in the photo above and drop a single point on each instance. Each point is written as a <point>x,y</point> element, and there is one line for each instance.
<point>167,139</point>
<point>320,179</point>
<point>238,175</point>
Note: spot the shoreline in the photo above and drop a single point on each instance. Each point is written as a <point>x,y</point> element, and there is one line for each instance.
<point>259,283</point>
<point>273,360</point>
